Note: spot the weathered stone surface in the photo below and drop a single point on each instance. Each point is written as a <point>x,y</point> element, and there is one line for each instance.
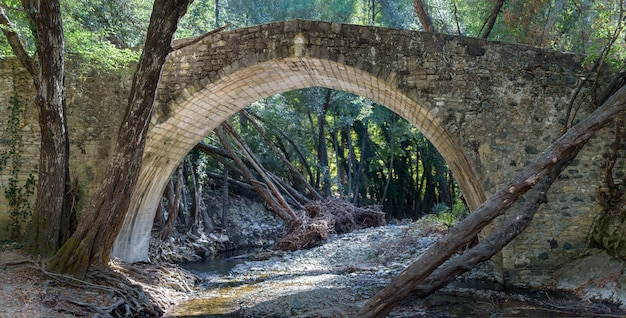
<point>95,106</point>
<point>488,107</point>
<point>597,275</point>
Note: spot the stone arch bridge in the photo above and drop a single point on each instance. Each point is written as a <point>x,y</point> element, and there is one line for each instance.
<point>488,108</point>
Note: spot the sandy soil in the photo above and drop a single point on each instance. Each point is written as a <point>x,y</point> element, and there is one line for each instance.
<point>24,290</point>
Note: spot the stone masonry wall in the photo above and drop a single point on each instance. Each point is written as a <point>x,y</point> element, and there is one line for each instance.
<point>95,105</point>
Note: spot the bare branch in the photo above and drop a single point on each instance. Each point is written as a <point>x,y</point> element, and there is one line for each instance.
<point>491,20</point>
<point>15,43</point>
<point>456,18</point>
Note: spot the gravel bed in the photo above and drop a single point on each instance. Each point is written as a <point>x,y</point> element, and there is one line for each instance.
<point>335,279</point>
<point>347,269</point>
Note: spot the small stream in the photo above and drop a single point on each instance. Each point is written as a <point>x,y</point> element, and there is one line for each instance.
<point>222,290</point>
<point>349,270</point>
<point>221,264</point>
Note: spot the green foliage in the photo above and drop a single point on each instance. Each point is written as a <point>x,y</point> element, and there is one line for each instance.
<point>199,19</point>
<point>98,32</point>
<point>608,26</point>
<point>21,26</point>
<point>100,45</point>
<point>390,13</point>
<point>374,155</point>
<point>446,215</point>
<point>120,22</point>
<point>17,191</point>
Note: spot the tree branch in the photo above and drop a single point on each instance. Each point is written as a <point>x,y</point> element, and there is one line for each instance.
<point>423,16</point>
<point>16,44</point>
<point>491,20</point>
<point>489,246</point>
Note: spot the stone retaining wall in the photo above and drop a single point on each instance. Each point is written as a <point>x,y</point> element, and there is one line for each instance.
<point>95,106</point>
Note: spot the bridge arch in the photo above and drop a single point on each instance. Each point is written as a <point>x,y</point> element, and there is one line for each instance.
<point>476,101</point>
<point>203,111</point>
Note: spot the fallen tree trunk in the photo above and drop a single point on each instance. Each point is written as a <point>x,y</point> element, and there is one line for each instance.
<point>256,164</point>
<point>491,245</point>
<point>258,186</point>
<point>457,237</point>
<point>295,173</point>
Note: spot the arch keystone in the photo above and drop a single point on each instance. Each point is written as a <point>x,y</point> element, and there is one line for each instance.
<point>298,49</point>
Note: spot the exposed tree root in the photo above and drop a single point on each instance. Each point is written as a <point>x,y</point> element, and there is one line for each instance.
<point>123,290</point>
<point>165,283</point>
<point>320,218</point>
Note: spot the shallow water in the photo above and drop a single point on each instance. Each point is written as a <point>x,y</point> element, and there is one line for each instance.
<point>221,264</point>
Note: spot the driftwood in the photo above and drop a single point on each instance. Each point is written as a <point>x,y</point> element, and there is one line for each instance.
<point>318,219</point>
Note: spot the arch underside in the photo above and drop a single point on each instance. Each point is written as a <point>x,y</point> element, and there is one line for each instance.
<point>195,117</point>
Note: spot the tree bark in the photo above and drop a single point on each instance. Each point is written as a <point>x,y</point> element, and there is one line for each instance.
<point>322,149</point>
<point>422,15</point>
<point>458,236</point>
<point>359,173</point>
<point>92,242</point>
<point>196,194</point>
<point>51,222</point>
<point>491,20</point>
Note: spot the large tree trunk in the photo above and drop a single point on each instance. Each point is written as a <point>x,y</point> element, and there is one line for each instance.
<point>492,244</point>
<point>422,15</point>
<point>92,242</point>
<point>461,234</point>
<point>51,224</point>
<point>51,216</point>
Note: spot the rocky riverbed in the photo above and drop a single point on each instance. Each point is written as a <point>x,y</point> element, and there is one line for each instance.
<point>335,279</point>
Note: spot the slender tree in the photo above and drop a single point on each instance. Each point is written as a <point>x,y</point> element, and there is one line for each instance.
<point>92,242</point>
<point>51,215</point>
<point>323,174</point>
<point>491,20</point>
